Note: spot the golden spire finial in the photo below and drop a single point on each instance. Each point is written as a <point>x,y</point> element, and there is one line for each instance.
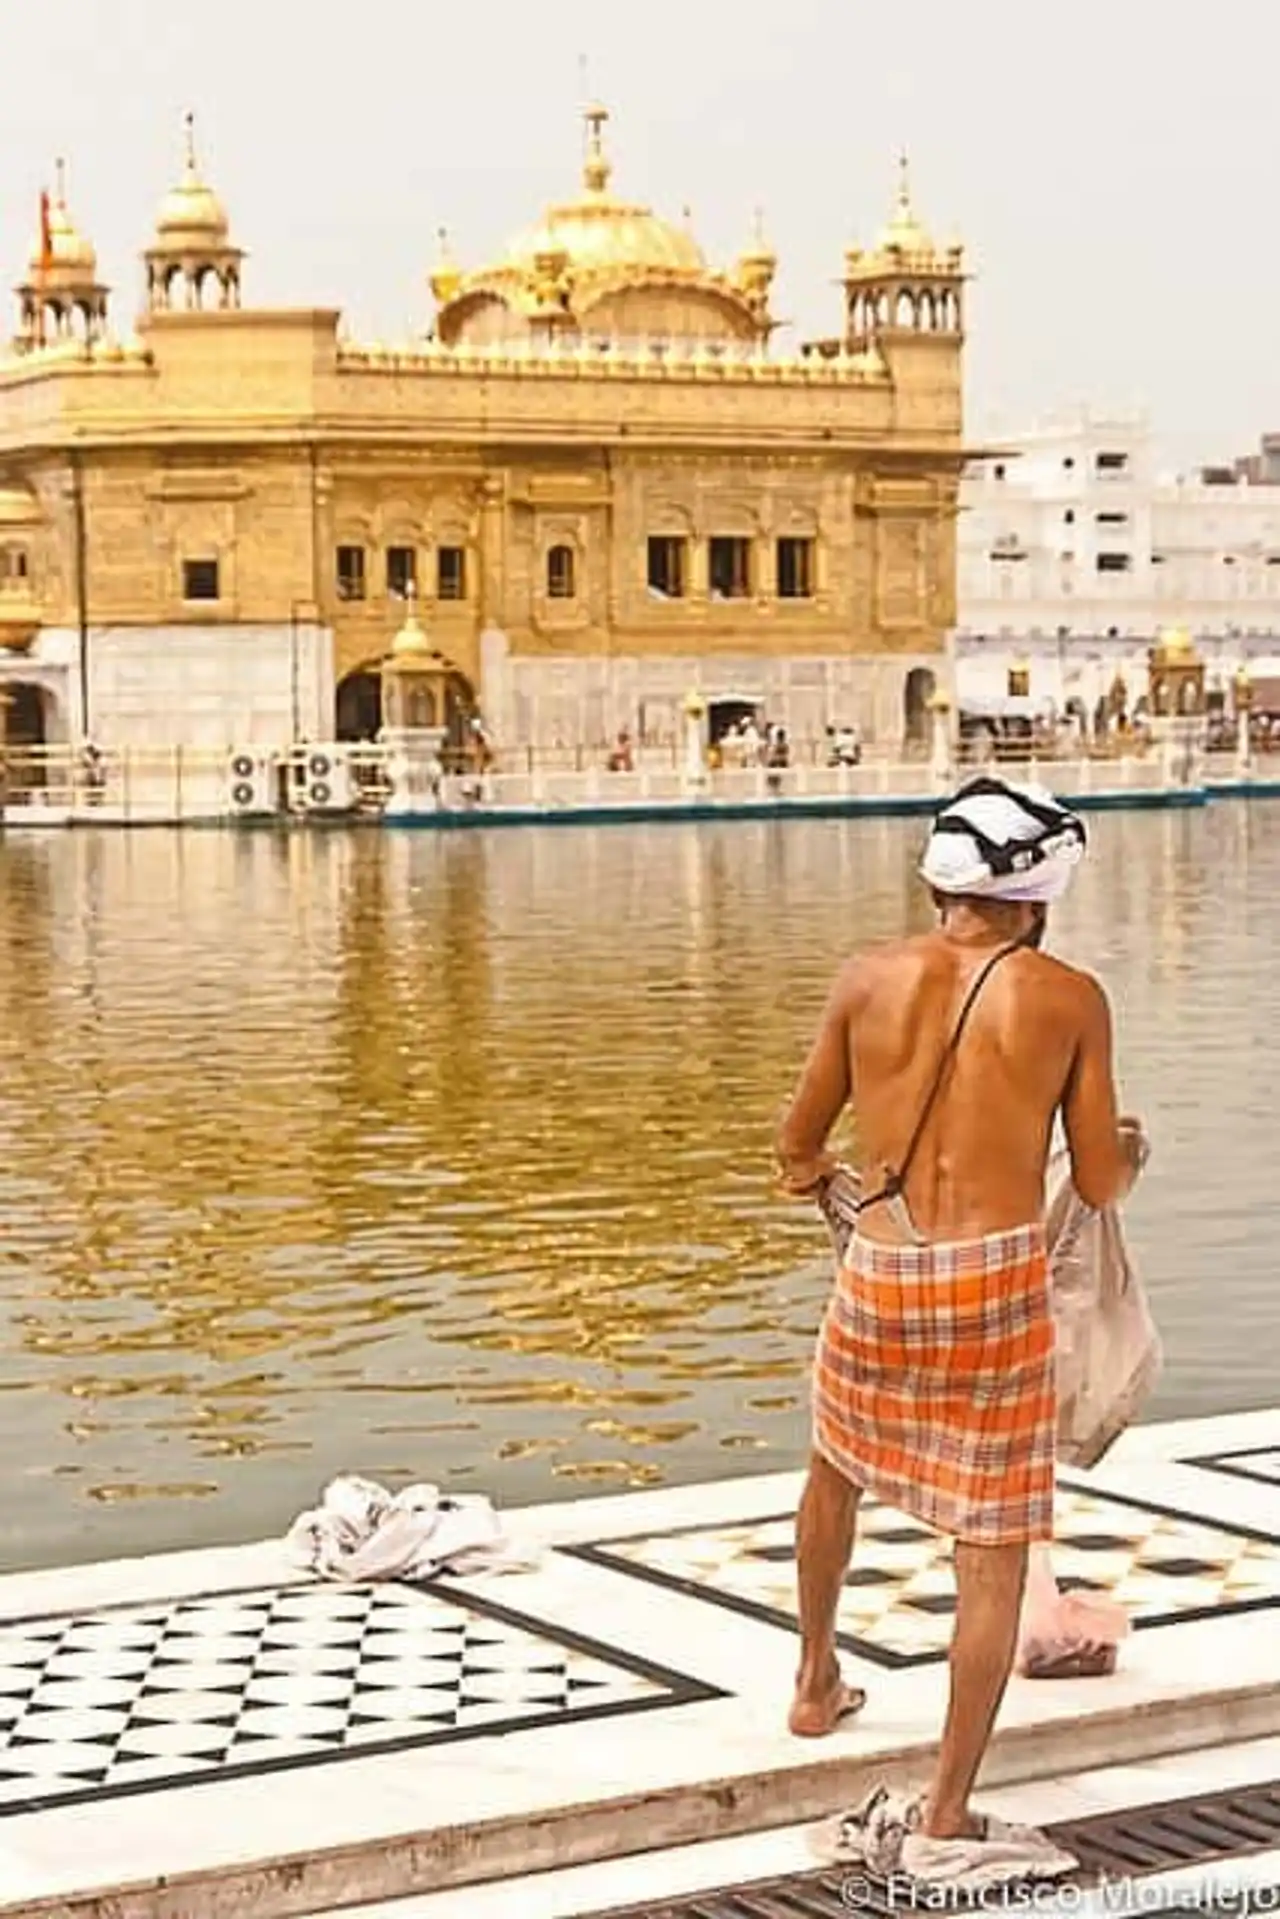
<point>596,168</point>
<point>60,181</point>
<point>904,185</point>
<point>904,233</point>
<point>189,139</point>
<point>758,252</point>
<point>446,280</point>
<point>757,263</point>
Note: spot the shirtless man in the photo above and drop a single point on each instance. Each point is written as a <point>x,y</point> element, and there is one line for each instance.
<point>947,1270</point>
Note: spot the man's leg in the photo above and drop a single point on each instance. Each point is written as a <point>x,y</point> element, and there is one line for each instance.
<point>989,1582</point>
<point>824,1542</point>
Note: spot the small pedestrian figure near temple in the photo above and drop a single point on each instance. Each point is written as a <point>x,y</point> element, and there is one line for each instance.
<point>621,757</point>
<point>93,766</point>
<point>481,750</point>
<point>777,756</point>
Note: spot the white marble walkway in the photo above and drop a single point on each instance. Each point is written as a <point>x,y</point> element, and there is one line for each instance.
<point>203,1732</point>
<point>677,1872</point>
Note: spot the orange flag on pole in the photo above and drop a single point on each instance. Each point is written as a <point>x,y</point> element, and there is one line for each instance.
<point>46,233</point>
<point>44,262</point>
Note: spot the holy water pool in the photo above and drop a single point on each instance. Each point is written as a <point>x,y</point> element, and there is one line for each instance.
<point>449,1155</point>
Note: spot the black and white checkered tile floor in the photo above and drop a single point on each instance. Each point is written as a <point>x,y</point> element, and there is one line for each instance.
<point>899,1599</point>
<point>139,1697</point>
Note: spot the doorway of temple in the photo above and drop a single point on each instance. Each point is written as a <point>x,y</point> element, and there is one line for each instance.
<point>358,706</point>
<point>921,685</point>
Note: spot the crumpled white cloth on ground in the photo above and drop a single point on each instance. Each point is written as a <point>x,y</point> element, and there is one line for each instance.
<point>884,1835</point>
<point>362,1533</point>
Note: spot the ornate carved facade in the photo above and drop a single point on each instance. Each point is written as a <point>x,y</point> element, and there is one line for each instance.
<point>593,474</point>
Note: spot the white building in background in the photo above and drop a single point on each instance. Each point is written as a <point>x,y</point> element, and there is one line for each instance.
<point>1076,553</point>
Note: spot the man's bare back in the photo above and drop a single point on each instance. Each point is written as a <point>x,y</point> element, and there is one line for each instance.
<point>1037,1041</point>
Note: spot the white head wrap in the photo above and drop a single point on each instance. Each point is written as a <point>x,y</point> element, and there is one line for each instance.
<point>1002,842</point>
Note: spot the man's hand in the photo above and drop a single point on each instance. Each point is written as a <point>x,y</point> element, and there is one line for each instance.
<point>800,1179</point>
<point>1134,1145</point>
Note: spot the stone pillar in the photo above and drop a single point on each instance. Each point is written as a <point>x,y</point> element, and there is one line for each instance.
<point>492,550</point>
<point>695,743</point>
<point>1244,712</point>
<point>4,748</point>
<point>496,688</point>
<point>941,766</point>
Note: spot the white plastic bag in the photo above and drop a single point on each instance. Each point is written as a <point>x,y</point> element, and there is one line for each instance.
<point>1107,1347</point>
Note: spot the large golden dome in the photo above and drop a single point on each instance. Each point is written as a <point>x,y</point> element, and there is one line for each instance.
<point>606,266</point>
<point>597,233</point>
<point>191,214</point>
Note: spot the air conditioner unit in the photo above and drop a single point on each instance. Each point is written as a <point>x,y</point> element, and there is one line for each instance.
<point>251,784</point>
<point>324,782</point>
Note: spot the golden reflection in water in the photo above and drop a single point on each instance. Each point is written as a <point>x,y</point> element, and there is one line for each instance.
<point>449,1154</point>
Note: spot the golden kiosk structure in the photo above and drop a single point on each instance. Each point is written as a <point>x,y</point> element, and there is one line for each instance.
<point>1176,697</point>
<point>593,471</point>
<point>1176,678</point>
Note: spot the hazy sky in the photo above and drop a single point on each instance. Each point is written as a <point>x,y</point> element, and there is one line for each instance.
<point>1113,165</point>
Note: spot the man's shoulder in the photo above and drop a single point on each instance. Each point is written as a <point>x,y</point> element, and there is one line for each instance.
<point>1062,969</point>
<point>1072,982</point>
<point>884,965</point>
<point>888,957</point>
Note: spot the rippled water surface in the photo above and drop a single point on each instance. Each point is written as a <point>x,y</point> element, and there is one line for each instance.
<point>449,1155</point>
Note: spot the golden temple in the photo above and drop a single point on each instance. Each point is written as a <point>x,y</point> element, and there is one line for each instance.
<point>594,475</point>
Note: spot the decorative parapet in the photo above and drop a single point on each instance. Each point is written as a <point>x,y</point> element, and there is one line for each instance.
<point>19,364</point>
<point>604,361</point>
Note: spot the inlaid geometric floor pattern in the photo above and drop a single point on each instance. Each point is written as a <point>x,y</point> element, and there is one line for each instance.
<point>899,1597</point>
<point>145,1697</point>
<point>1261,1464</point>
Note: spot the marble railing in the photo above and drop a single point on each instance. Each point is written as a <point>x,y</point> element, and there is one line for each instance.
<point>136,785</point>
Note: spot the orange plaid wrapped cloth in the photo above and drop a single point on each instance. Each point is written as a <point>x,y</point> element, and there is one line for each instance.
<point>934,1382</point>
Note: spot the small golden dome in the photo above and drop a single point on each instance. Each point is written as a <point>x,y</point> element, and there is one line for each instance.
<point>191,214</point>
<point>904,233</point>
<point>69,255</point>
<point>1176,644</point>
<point>411,642</point>
<point>446,281</point>
<point>757,263</point>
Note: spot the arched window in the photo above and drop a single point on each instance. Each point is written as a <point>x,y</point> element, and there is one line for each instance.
<point>562,571</point>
